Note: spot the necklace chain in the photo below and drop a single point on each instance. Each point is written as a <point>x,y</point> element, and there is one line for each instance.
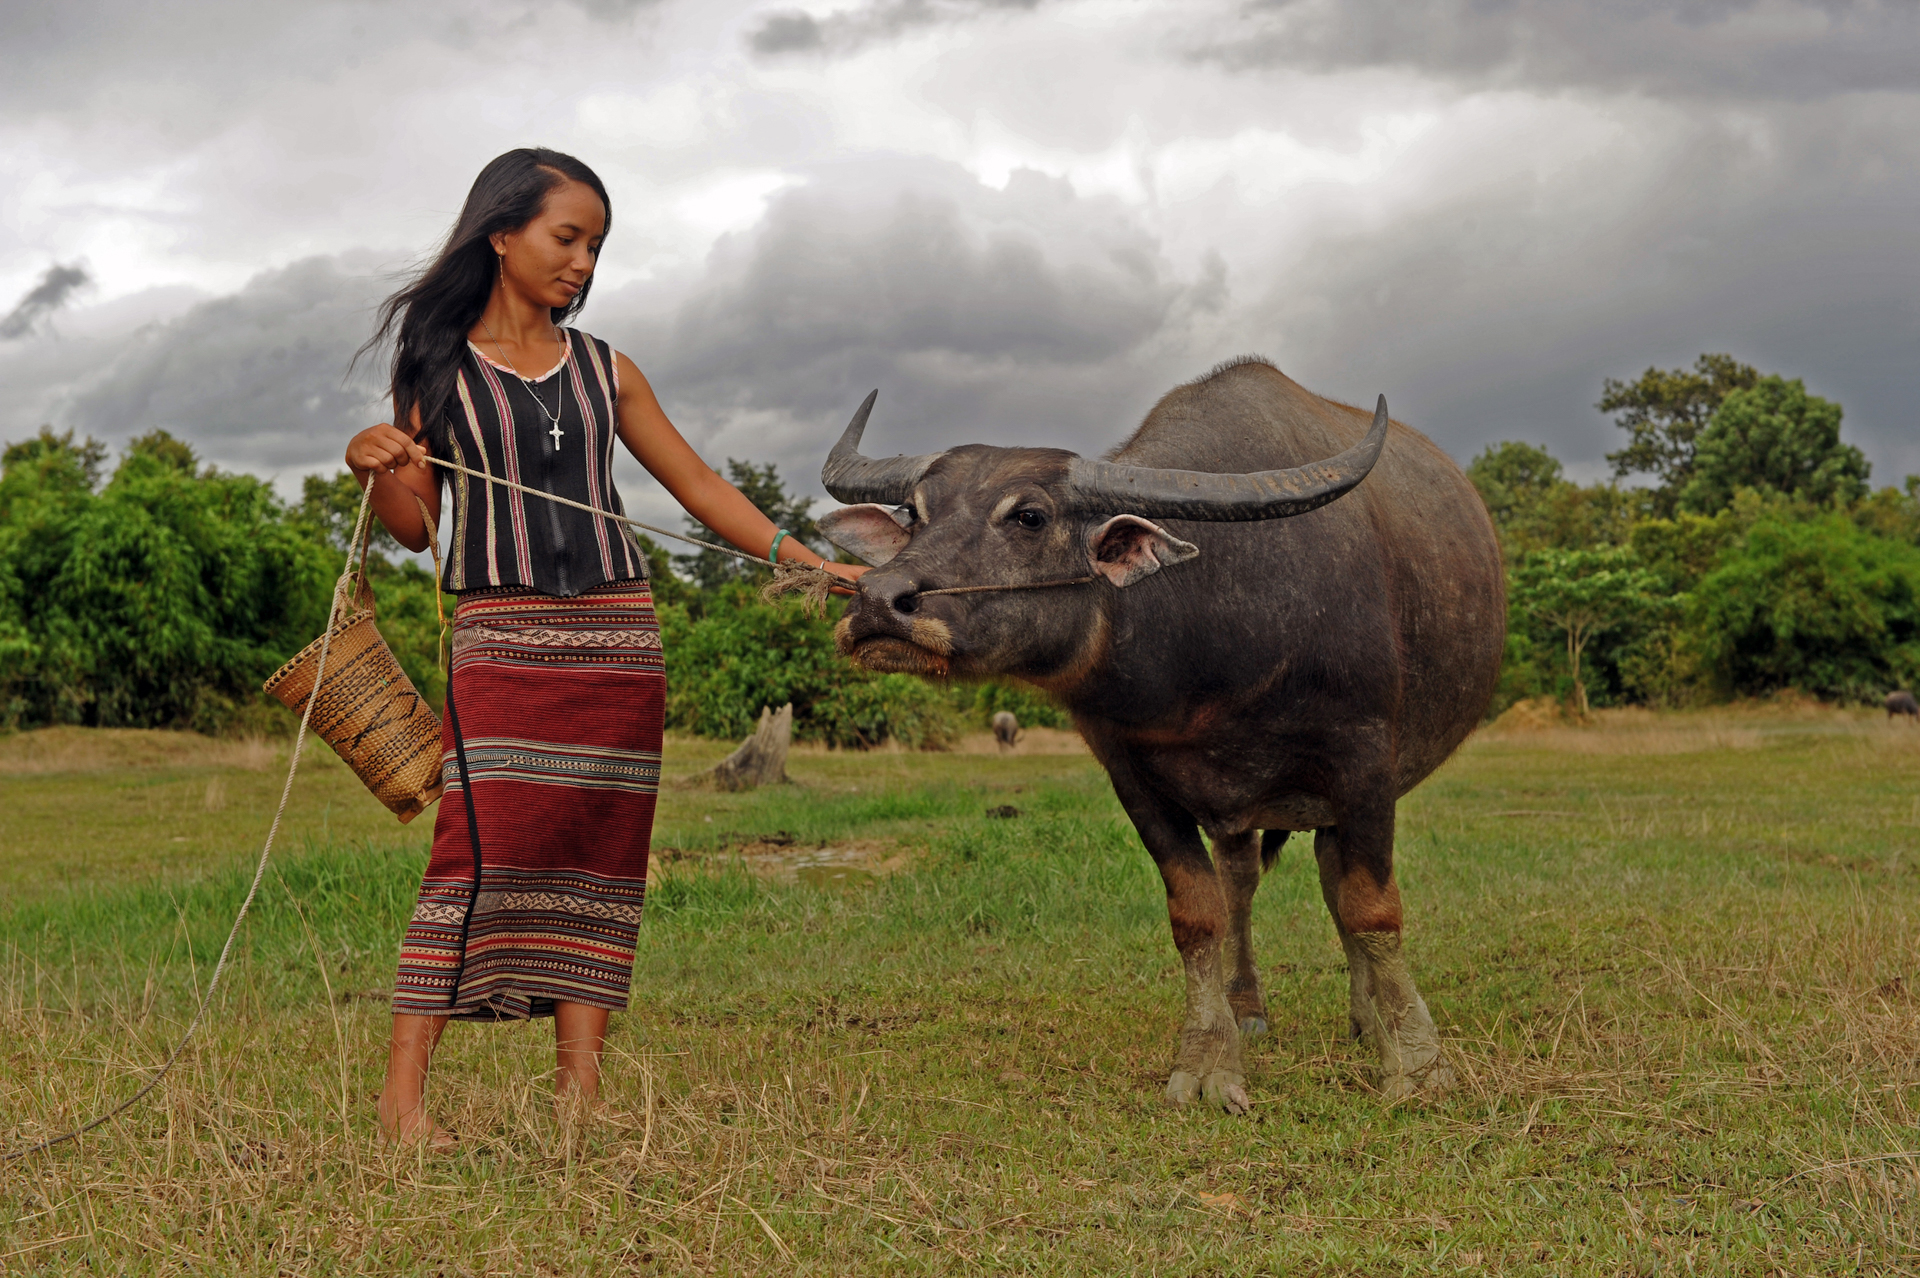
<point>553,418</point>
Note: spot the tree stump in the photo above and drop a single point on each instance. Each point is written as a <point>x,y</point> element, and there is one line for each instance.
<point>762,757</point>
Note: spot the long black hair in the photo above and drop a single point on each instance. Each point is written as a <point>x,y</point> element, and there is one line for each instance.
<point>432,315</point>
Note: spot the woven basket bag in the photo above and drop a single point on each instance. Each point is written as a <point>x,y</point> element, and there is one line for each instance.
<point>367,708</point>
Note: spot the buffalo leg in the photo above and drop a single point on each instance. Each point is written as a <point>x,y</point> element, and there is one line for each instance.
<point>1387,1011</point>
<point>1209,1060</point>
<point>1237,860</point>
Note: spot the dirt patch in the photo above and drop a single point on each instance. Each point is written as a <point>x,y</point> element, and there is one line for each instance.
<point>845,864</point>
<point>106,749</point>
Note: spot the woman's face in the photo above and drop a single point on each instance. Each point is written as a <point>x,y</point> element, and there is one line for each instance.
<point>551,258</point>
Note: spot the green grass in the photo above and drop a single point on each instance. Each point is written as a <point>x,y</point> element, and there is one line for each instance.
<point>1674,959</point>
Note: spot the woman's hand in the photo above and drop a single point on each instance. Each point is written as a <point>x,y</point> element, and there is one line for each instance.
<point>383,448</point>
<point>849,573</point>
<point>404,481</point>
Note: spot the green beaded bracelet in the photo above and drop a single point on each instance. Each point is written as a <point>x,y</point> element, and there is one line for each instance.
<point>773,554</point>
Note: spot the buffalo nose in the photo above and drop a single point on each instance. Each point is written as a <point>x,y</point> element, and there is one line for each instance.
<point>907,602</point>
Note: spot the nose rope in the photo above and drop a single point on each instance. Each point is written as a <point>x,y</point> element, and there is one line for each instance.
<point>1017,585</point>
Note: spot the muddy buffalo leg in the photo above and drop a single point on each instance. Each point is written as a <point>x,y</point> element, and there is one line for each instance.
<point>1209,1061</point>
<point>1236,858</point>
<point>1388,1014</point>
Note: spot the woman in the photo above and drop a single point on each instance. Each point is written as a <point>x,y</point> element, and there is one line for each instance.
<point>551,742</point>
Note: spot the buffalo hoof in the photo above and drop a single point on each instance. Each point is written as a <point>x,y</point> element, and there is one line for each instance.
<point>1228,1091</point>
<point>1253,1026</point>
<point>1220,1087</point>
<point>1430,1082</point>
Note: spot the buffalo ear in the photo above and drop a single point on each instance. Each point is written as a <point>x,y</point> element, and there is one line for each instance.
<point>1127,548</point>
<point>871,532</point>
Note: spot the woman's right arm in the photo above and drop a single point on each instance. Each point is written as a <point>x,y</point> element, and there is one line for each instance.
<point>399,464</point>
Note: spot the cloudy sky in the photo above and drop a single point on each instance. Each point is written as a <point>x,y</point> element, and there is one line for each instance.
<point>1021,219</point>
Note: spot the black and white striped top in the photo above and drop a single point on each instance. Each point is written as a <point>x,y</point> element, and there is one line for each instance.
<point>501,537</point>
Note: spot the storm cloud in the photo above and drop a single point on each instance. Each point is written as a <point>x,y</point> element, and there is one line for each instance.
<point>1754,50</point>
<point>842,31</point>
<point>42,300</point>
<point>1021,221</point>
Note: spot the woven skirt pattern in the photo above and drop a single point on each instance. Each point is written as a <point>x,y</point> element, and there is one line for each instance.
<point>560,704</point>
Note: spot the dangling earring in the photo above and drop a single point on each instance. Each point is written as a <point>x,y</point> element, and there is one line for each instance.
<point>503,272</point>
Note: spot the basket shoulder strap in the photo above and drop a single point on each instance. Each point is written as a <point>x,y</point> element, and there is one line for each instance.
<point>439,599</point>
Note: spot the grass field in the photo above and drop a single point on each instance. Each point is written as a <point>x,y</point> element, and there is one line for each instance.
<point>877,1031</point>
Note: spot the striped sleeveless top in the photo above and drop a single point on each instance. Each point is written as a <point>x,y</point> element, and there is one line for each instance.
<point>500,426</point>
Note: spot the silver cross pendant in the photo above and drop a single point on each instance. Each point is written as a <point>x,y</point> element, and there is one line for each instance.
<point>556,432</point>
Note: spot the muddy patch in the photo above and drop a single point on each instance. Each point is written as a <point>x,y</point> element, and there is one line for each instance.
<point>839,866</point>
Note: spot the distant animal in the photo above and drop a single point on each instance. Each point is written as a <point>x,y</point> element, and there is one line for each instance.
<point>1264,659</point>
<point>1902,702</point>
<point>1006,730</point>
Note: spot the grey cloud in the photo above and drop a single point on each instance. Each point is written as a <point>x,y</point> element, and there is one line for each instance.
<point>847,30</point>
<point>1497,314</point>
<point>255,380</point>
<point>1024,315</point>
<point>52,292</point>
<point>1748,49</point>
<point>614,10</point>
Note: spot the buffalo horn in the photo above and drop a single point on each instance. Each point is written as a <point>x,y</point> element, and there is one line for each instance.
<point>1202,495</point>
<point>854,479</point>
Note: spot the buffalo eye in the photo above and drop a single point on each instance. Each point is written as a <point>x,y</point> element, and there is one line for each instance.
<point>1031,520</point>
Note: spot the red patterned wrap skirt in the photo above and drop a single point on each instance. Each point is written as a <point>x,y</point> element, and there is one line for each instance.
<point>560,704</point>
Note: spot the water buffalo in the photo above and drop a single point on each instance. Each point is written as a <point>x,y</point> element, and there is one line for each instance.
<point>1902,702</point>
<point>1243,653</point>
<point>1006,730</point>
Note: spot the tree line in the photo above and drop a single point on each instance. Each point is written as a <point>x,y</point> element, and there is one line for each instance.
<point>164,593</point>
<point>1746,555</point>
<point>1737,550</point>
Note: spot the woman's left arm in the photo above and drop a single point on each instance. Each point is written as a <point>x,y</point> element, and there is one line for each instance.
<point>706,496</point>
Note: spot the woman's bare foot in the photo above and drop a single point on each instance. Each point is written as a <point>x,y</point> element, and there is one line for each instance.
<point>413,1129</point>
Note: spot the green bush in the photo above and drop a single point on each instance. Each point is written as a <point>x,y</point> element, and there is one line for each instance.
<point>864,712</point>
<point>1815,603</point>
<point>162,600</point>
<point>739,653</point>
<point>742,654</point>
<point>979,702</point>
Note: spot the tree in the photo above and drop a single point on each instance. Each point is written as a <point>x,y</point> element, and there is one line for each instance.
<point>1512,478</point>
<point>162,448</point>
<point>162,600</point>
<point>761,485</point>
<point>1892,513</point>
<point>1534,508</point>
<point>1774,437</point>
<point>82,464</point>
<point>1663,414</point>
<point>1580,593</point>
<point>1817,604</point>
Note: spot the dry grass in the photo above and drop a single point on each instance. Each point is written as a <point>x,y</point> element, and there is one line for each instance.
<point>59,750</point>
<point>1680,990</point>
<point>1545,725</point>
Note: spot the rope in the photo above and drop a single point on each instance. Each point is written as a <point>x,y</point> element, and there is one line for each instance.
<point>604,514</point>
<point>340,592</point>
<point>789,577</point>
<point>1018,585</point>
